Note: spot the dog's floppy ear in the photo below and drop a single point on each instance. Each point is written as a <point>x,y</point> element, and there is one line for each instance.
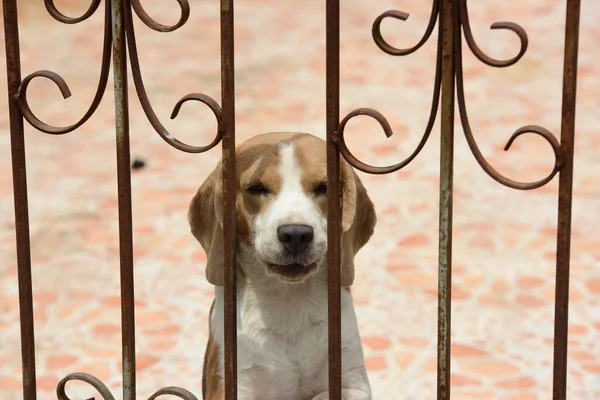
<point>205,217</point>
<point>358,221</point>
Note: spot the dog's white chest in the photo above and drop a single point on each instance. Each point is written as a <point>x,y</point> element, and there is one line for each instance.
<point>282,345</point>
<point>282,367</point>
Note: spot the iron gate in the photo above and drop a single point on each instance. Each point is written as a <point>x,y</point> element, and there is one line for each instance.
<point>452,19</point>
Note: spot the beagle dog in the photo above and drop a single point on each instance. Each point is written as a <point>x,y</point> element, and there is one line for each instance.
<point>281,214</point>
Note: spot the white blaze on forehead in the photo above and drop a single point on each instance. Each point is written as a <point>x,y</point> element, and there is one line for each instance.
<point>289,170</point>
<point>292,205</point>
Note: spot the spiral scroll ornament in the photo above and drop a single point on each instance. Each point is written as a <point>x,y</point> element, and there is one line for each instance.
<point>130,7</point>
<point>101,388</point>
<point>464,26</point>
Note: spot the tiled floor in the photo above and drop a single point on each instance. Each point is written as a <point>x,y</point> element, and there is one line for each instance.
<point>504,240</point>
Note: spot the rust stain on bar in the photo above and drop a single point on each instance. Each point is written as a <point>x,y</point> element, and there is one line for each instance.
<point>333,198</point>
<point>124,195</point>
<point>229,228</point>
<point>565,198</point>
<point>19,174</point>
<point>449,29</point>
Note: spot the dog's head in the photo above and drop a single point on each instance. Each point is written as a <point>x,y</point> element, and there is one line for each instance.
<point>281,210</point>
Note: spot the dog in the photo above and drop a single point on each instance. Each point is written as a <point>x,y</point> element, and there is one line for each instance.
<point>281,214</point>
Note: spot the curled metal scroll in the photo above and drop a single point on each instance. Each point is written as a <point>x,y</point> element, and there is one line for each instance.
<point>376,115</point>
<point>60,82</point>
<point>484,58</point>
<point>462,23</point>
<point>141,91</point>
<point>174,391</point>
<point>462,107</point>
<point>107,395</point>
<point>152,24</point>
<point>401,15</point>
<point>105,69</point>
<point>87,378</point>
<point>57,15</point>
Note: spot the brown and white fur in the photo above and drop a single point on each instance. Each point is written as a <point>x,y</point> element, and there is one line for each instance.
<point>281,210</point>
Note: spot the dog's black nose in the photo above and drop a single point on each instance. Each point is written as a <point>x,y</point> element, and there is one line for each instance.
<point>295,238</point>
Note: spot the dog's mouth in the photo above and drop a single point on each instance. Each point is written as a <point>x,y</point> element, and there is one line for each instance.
<point>292,271</point>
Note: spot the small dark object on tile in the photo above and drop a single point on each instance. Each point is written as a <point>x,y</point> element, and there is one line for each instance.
<point>138,164</point>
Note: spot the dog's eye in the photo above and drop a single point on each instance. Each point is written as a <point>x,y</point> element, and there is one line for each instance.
<point>257,189</point>
<point>320,189</point>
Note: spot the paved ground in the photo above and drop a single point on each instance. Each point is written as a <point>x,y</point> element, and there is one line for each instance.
<point>504,239</point>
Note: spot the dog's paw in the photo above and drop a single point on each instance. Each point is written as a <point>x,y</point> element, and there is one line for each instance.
<point>322,396</point>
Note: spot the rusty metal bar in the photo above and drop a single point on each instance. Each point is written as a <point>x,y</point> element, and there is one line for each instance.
<point>565,198</point>
<point>124,193</point>
<point>229,188</point>
<point>19,173</point>
<point>333,198</point>
<point>450,31</point>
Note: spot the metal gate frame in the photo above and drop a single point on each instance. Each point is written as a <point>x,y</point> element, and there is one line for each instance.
<point>119,39</point>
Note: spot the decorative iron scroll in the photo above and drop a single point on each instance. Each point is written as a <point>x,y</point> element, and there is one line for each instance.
<point>107,395</point>
<point>104,71</point>
<point>463,23</point>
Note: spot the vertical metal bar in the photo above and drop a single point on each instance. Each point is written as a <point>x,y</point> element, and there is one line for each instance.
<point>124,194</point>
<point>333,198</point>
<point>448,31</point>
<point>19,173</point>
<point>565,196</point>
<point>228,157</point>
